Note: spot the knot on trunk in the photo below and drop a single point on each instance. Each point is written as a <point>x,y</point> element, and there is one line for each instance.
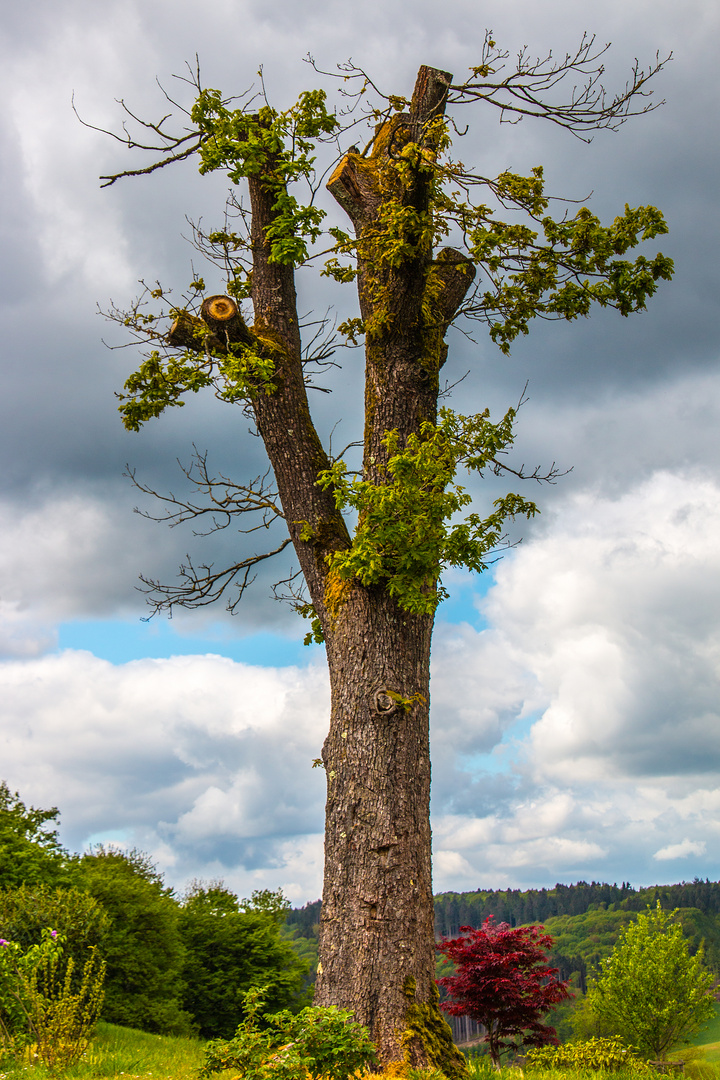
<point>386,702</point>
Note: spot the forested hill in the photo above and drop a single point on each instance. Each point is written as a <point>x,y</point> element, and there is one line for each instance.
<point>583,919</point>
<point>453,910</point>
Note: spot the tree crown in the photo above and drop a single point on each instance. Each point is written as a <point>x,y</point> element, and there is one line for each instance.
<point>651,991</point>
<point>399,523</point>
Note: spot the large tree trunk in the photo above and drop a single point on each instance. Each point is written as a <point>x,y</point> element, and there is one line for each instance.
<point>376,932</point>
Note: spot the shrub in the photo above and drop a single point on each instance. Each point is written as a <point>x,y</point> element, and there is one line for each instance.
<point>39,1006</point>
<point>80,919</point>
<point>315,1042</point>
<point>606,1055</point>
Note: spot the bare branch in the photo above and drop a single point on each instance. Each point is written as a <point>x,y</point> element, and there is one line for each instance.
<point>224,500</point>
<point>588,107</point>
<point>172,147</point>
<point>188,152</point>
<point>203,585</point>
<point>548,477</point>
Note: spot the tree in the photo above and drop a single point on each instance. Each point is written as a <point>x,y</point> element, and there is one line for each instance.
<point>232,946</point>
<point>504,982</point>
<point>650,991</point>
<point>144,949</point>
<point>30,852</point>
<point>372,588</point>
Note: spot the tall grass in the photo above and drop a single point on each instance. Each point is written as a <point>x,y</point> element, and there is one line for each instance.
<point>121,1052</point>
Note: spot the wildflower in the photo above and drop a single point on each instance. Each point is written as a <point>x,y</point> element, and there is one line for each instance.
<point>53,933</point>
<point>4,943</point>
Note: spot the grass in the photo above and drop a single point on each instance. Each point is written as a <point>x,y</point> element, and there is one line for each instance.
<point>119,1053</point>
<point>123,1052</point>
<point>708,1038</point>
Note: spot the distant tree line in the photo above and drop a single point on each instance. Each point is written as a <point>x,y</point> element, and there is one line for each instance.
<point>584,920</point>
<point>518,907</point>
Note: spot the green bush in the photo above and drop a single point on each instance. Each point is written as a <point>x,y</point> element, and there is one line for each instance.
<point>39,1007</point>
<point>144,949</point>
<point>315,1042</point>
<point>601,1054</point>
<point>26,910</point>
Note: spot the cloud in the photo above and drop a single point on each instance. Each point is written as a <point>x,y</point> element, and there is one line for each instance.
<point>572,737</point>
<point>602,632</point>
<point>205,762</point>
<point>577,732</point>
<point>682,850</point>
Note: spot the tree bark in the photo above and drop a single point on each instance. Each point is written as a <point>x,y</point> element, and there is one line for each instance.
<point>377,953</point>
<point>376,946</point>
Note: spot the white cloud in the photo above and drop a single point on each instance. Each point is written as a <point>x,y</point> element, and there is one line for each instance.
<point>204,762</point>
<point>682,850</point>
<point>614,611</point>
<point>602,628</point>
<point>67,555</point>
<point>609,615</point>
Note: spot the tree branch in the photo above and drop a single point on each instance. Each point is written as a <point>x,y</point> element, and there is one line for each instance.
<point>588,108</point>
<point>203,586</point>
<point>223,502</point>
<point>224,499</point>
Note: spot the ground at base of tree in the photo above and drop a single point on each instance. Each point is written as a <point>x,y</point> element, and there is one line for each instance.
<point>137,1055</point>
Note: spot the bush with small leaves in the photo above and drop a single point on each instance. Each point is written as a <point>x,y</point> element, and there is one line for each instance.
<point>598,1054</point>
<point>316,1042</point>
<point>41,1008</point>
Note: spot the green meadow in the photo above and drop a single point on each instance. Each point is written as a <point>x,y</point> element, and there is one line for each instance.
<point>121,1052</point>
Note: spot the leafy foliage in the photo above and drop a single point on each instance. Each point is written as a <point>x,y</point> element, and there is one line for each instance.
<point>30,852</point>
<point>598,1054</point>
<point>404,537</point>
<point>277,145</point>
<point>650,991</point>
<point>80,919</point>
<point>39,1006</point>
<point>410,525</point>
<point>315,1042</point>
<point>232,946</point>
<point>504,982</point>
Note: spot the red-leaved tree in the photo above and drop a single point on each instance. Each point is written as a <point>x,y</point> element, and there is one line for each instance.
<point>504,982</point>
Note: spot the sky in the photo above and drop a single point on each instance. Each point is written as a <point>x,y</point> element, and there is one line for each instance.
<point>575,701</point>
